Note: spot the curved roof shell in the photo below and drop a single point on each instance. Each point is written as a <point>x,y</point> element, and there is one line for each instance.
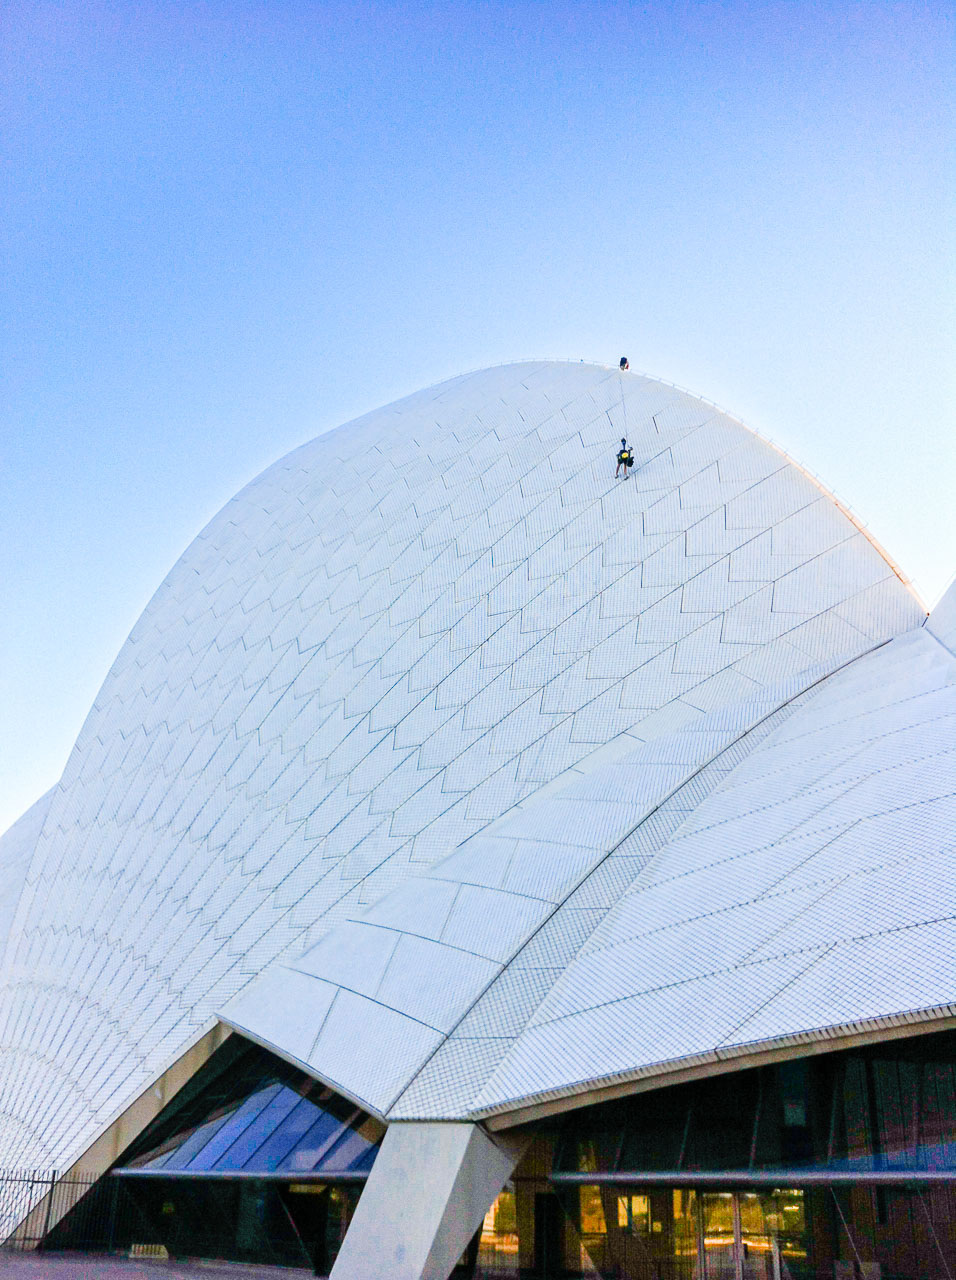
<point>377,650</point>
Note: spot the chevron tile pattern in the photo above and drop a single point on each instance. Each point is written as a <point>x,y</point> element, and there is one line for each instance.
<point>813,889</point>
<point>380,647</point>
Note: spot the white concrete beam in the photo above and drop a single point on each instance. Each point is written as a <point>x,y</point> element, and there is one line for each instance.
<point>428,1191</point>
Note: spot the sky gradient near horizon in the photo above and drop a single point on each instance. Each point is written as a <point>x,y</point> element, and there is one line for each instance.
<point>232,225</point>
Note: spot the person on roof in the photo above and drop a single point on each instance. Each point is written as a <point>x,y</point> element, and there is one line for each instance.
<point>625,364</point>
<point>625,459</point>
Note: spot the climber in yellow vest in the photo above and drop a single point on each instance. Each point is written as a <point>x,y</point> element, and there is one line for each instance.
<point>625,459</point>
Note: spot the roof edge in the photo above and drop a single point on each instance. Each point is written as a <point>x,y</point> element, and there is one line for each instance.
<point>720,1061</point>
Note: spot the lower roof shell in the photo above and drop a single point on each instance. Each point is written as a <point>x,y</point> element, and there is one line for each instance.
<point>793,881</point>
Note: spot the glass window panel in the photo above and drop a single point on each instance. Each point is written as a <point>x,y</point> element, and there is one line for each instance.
<point>243,1152</point>
<point>773,1233</point>
<point>287,1135</point>
<point>891,1132</point>
<point>652,1234</point>
<point>227,1133</point>
<point>159,1162</point>
<point>334,1104</point>
<point>313,1143</point>
<point>685,1237</point>
<point>346,1153</point>
<point>591,1212</point>
<point>655,1134</point>
<point>722,1123</point>
<point>598,1151</point>
<point>248,1109</point>
<point>634,1213</point>
<point>943,1151</point>
<point>205,1096</point>
<point>194,1142</point>
<point>909,1075</point>
<point>857,1113</point>
<point>498,1253</point>
<point>363,1162</point>
<point>793,1080</point>
<point>717,1213</point>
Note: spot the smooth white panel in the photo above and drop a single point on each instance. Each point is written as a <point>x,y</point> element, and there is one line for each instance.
<point>285,1012</point>
<point>432,982</point>
<point>340,1056</point>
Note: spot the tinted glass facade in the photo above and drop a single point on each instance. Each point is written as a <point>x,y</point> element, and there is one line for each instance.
<point>836,1165</point>
<point>640,1232</point>
<point>889,1107</point>
<point>252,1161</point>
<point>794,1170</point>
<point>250,1111</point>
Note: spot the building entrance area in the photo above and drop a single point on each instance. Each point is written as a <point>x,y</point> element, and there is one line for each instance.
<point>682,1234</point>
<point>747,1236</point>
<point>657,1233</point>
<point>654,1234</point>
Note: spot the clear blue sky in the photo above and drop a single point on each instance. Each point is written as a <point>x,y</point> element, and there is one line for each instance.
<point>228,226</point>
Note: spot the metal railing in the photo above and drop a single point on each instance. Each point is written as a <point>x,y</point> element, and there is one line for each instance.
<point>33,1201</point>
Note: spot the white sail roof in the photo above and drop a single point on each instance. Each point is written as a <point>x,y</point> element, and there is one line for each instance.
<point>381,653</point>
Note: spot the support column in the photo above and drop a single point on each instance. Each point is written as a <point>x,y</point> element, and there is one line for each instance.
<point>428,1191</point>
